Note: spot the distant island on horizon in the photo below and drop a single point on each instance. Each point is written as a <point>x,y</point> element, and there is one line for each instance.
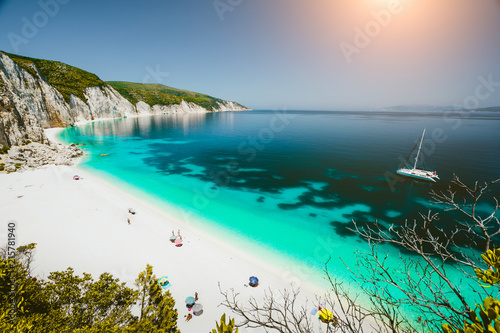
<point>398,108</point>
<point>423,107</point>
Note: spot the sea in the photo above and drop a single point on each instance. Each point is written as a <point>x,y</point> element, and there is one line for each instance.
<point>287,185</point>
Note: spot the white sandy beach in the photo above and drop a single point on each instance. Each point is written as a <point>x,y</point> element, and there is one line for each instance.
<point>83,224</point>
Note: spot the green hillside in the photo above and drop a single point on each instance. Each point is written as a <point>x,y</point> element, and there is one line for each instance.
<point>71,80</point>
<point>65,78</point>
<point>159,94</point>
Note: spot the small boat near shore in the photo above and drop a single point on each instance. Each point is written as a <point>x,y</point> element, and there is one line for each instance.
<point>415,172</point>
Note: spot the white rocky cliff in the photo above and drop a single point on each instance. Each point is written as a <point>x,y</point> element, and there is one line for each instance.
<point>28,104</point>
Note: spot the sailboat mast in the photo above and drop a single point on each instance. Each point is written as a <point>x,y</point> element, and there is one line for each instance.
<point>420,146</point>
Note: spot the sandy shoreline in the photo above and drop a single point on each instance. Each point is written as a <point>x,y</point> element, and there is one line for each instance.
<point>83,224</point>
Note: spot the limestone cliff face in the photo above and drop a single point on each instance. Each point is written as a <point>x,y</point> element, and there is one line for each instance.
<point>102,102</point>
<point>185,107</point>
<point>108,103</point>
<point>28,104</point>
<point>230,106</point>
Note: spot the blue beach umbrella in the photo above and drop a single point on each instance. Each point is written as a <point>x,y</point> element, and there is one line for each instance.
<point>254,280</point>
<point>164,283</point>
<point>190,300</point>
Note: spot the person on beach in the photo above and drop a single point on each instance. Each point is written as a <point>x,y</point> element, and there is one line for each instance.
<point>195,296</point>
<point>189,316</point>
<point>179,233</point>
<point>128,220</point>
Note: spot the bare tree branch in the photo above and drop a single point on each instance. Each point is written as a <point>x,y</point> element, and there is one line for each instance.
<point>285,316</point>
<point>423,281</point>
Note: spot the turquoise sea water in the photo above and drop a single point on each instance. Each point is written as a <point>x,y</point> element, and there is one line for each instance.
<point>291,182</point>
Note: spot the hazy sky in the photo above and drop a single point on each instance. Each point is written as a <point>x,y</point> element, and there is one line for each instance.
<point>294,54</point>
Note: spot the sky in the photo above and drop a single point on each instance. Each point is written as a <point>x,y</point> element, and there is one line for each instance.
<point>275,54</point>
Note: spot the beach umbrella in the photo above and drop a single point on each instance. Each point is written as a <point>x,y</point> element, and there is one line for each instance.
<point>164,283</point>
<point>197,309</point>
<point>76,177</point>
<point>325,316</point>
<point>172,238</point>
<point>178,241</point>
<point>254,280</point>
<point>190,300</point>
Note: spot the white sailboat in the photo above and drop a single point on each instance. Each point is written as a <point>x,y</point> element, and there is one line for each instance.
<point>418,173</point>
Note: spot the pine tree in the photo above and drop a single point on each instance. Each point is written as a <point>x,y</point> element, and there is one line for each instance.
<point>157,313</point>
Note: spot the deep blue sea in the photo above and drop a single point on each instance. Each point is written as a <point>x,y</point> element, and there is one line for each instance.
<point>290,183</point>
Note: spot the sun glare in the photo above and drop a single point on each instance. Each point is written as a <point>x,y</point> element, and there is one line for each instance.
<point>387,2</point>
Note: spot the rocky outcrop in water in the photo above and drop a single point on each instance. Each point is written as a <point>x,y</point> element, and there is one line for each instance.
<point>29,104</point>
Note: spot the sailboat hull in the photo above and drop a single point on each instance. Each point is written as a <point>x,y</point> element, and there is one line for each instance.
<point>417,173</point>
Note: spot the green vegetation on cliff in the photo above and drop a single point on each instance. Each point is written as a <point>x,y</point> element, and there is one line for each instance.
<point>159,94</point>
<point>65,78</point>
<point>71,80</point>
